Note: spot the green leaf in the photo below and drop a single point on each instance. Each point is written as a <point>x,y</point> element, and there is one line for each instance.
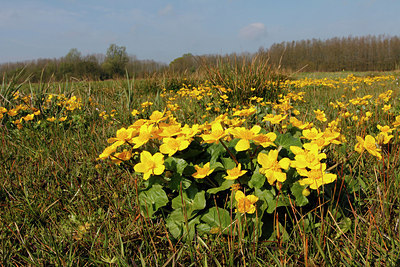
<point>228,163</point>
<point>216,151</point>
<point>217,219</point>
<point>178,228</point>
<point>226,184</point>
<point>177,180</point>
<point>152,199</point>
<point>269,200</point>
<point>344,226</point>
<point>257,179</point>
<point>217,166</point>
<point>190,201</point>
<point>175,164</point>
<point>297,191</point>
<point>287,140</point>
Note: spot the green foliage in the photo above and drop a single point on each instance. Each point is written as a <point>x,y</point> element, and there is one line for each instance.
<point>241,74</point>
<point>60,206</point>
<point>116,60</point>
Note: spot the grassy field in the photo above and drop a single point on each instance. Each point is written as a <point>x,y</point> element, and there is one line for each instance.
<point>68,199</point>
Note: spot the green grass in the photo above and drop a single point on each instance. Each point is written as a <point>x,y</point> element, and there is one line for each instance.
<point>60,206</point>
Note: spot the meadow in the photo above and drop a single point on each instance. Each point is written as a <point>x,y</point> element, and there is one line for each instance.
<point>284,170</point>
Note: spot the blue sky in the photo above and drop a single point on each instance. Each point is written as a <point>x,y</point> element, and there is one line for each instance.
<point>163,30</point>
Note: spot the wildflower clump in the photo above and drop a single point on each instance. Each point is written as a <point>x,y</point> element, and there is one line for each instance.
<point>241,163</point>
<point>189,166</point>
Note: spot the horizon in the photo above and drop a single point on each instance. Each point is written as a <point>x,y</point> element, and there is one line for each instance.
<point>165,30</point>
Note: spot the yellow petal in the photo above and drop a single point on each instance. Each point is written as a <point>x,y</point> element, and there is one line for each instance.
<point>239,195</point>
<point>242,145</point>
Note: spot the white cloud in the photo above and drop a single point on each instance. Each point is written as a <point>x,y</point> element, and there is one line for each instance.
<point>253,31</point>
<point>166,10</point>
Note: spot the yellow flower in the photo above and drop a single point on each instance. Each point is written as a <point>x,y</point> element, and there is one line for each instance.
<point>320,115</point>
<point>123,135</point>
<point>135,112</point>
<point>12,112</point>
<point>146,104</point>
<point>265,140</point>
<point>386,107</point>
<point>235,173</point>
<point>274,119</point>
<point>150,164</point>
<point>202,172</point>
<point>331,136</point>
<point>312,134</point>
<point>245,112</point>
<point>245,204</point>
<point>384,129</point>
<point>145,134</point>
<point>245,135</point>
<point>117,158</point>
<point>299,124</point>
<point>51,119</point>
<point>157,116</point>
<point>383,138</point>
<point>171,145</point>
<point>306,192</point>
<point>369,144</point>
<point>217,132</point>
<point>63,118</point>
<point>317,177</point>
<point>397,122</point>
<point>107,152</point>
<point>169,130</point>
<point>308,158</point>
<point>271,167</point>
<point>28,117</point>
<point>189,132</point>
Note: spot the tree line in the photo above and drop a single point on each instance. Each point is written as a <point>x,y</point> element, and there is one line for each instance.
<point>116,63</point>
<point>366,53</point>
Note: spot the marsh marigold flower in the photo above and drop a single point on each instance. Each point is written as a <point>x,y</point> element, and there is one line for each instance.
<point>312,134</point>
<point>317,177</point>
<point>28,117</point>
<point>135,112</point>
<point>244,135</point>
<point>368,144</point>
<point>265,140</point>
<point>150,164</point>
<point>173,145</point>
<point>396,123</point>
<point>145,134</point>
<point>245,204</point>
<point>320,115</point>
<point>202,172</point>
<point>123,135</point>
<point>271,167</point>
<point>157,116</point>
<point>274,119</point>
<point>125,155</point>
<point>307,158</point>
<point>217,132</point>
<point>235,173</point>
<point>107,152</point>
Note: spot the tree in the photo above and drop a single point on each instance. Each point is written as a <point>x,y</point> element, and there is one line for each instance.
<point>186,62</point>
<point>116,60</point>
<point>73,56</point>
